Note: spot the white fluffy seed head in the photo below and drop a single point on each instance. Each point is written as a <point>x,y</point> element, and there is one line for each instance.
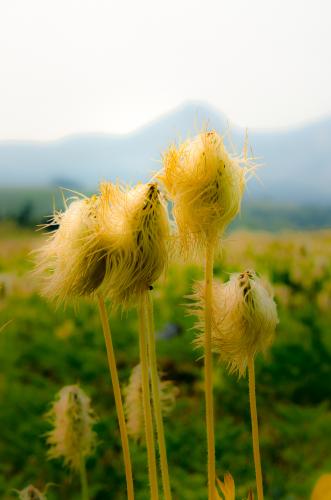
<point>72,261</point>
<point>206,186</point>
<point>140,245</point>
<point>244,319</point>
<point>117,240</point>
<point>72,418</point>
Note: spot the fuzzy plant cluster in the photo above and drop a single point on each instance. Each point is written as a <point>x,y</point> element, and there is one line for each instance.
<point>113,247</point>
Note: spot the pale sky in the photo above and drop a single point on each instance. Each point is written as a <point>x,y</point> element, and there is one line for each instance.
<point>71,66</point>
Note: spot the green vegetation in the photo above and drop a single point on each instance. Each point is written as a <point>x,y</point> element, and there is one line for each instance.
<point>43,348</point>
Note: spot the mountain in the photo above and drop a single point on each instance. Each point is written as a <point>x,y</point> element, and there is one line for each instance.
<point>297,162</point>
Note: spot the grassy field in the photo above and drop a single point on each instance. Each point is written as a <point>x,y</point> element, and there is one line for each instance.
<point>44,348</point>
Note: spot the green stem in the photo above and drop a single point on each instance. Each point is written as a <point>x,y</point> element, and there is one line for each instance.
<point>117,396</point>
<point>208,369</point>
<point>83,478</point>
<point>255,429</point>
<point>149,431</point>
<point>156,399</point>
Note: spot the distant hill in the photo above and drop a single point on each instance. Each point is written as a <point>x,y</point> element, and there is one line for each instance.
<point>297,161</point>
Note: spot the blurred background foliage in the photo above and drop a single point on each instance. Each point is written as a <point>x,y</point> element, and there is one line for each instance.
<point>29,206</point>
<point>44,348</point>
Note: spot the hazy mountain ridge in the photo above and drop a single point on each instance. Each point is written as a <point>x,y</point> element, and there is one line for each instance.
<point>297,161</point>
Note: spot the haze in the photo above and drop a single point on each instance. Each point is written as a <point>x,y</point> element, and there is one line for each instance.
<point>75,66</point>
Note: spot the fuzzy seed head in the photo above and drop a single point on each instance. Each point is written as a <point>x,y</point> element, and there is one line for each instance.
<point>31,493</point>
<point>72,437</point>
<point>140,231</point>
<point>134,402</point>
<point>72,261</point>
<point>206,186</point>
<point>244,319</point>
<point>134,405</point>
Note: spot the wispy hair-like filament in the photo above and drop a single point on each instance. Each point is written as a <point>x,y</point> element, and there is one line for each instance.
<point>244,319</point>
<point>72,261</point>
<point>206,186</point>
<point>138,217</point>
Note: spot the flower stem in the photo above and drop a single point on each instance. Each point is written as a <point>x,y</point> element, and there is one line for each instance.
<point>208,368</point>
<point>83,478</point>
<point>156,398</point>
<point>149,431</point>
<point>255,429</point>
<point>117,396</point>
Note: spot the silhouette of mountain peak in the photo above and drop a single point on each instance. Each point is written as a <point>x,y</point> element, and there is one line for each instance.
<point>297,160</point>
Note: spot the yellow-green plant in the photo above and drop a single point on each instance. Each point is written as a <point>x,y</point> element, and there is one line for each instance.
<point>72,437</point>
<point>141,222</point>
<point>206,186</point>
<point>243,319</point>
<point>73,262</point>
<point>228,489</point>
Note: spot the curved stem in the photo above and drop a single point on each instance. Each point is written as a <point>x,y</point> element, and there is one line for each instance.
<point>149,431</point>
<point>83,478</point>
<point>208,368</point>
<point>156,399</point>
<point>255,429</point>
<point>117,396</point>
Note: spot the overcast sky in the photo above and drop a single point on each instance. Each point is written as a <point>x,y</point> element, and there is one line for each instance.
<point>71,66</point>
